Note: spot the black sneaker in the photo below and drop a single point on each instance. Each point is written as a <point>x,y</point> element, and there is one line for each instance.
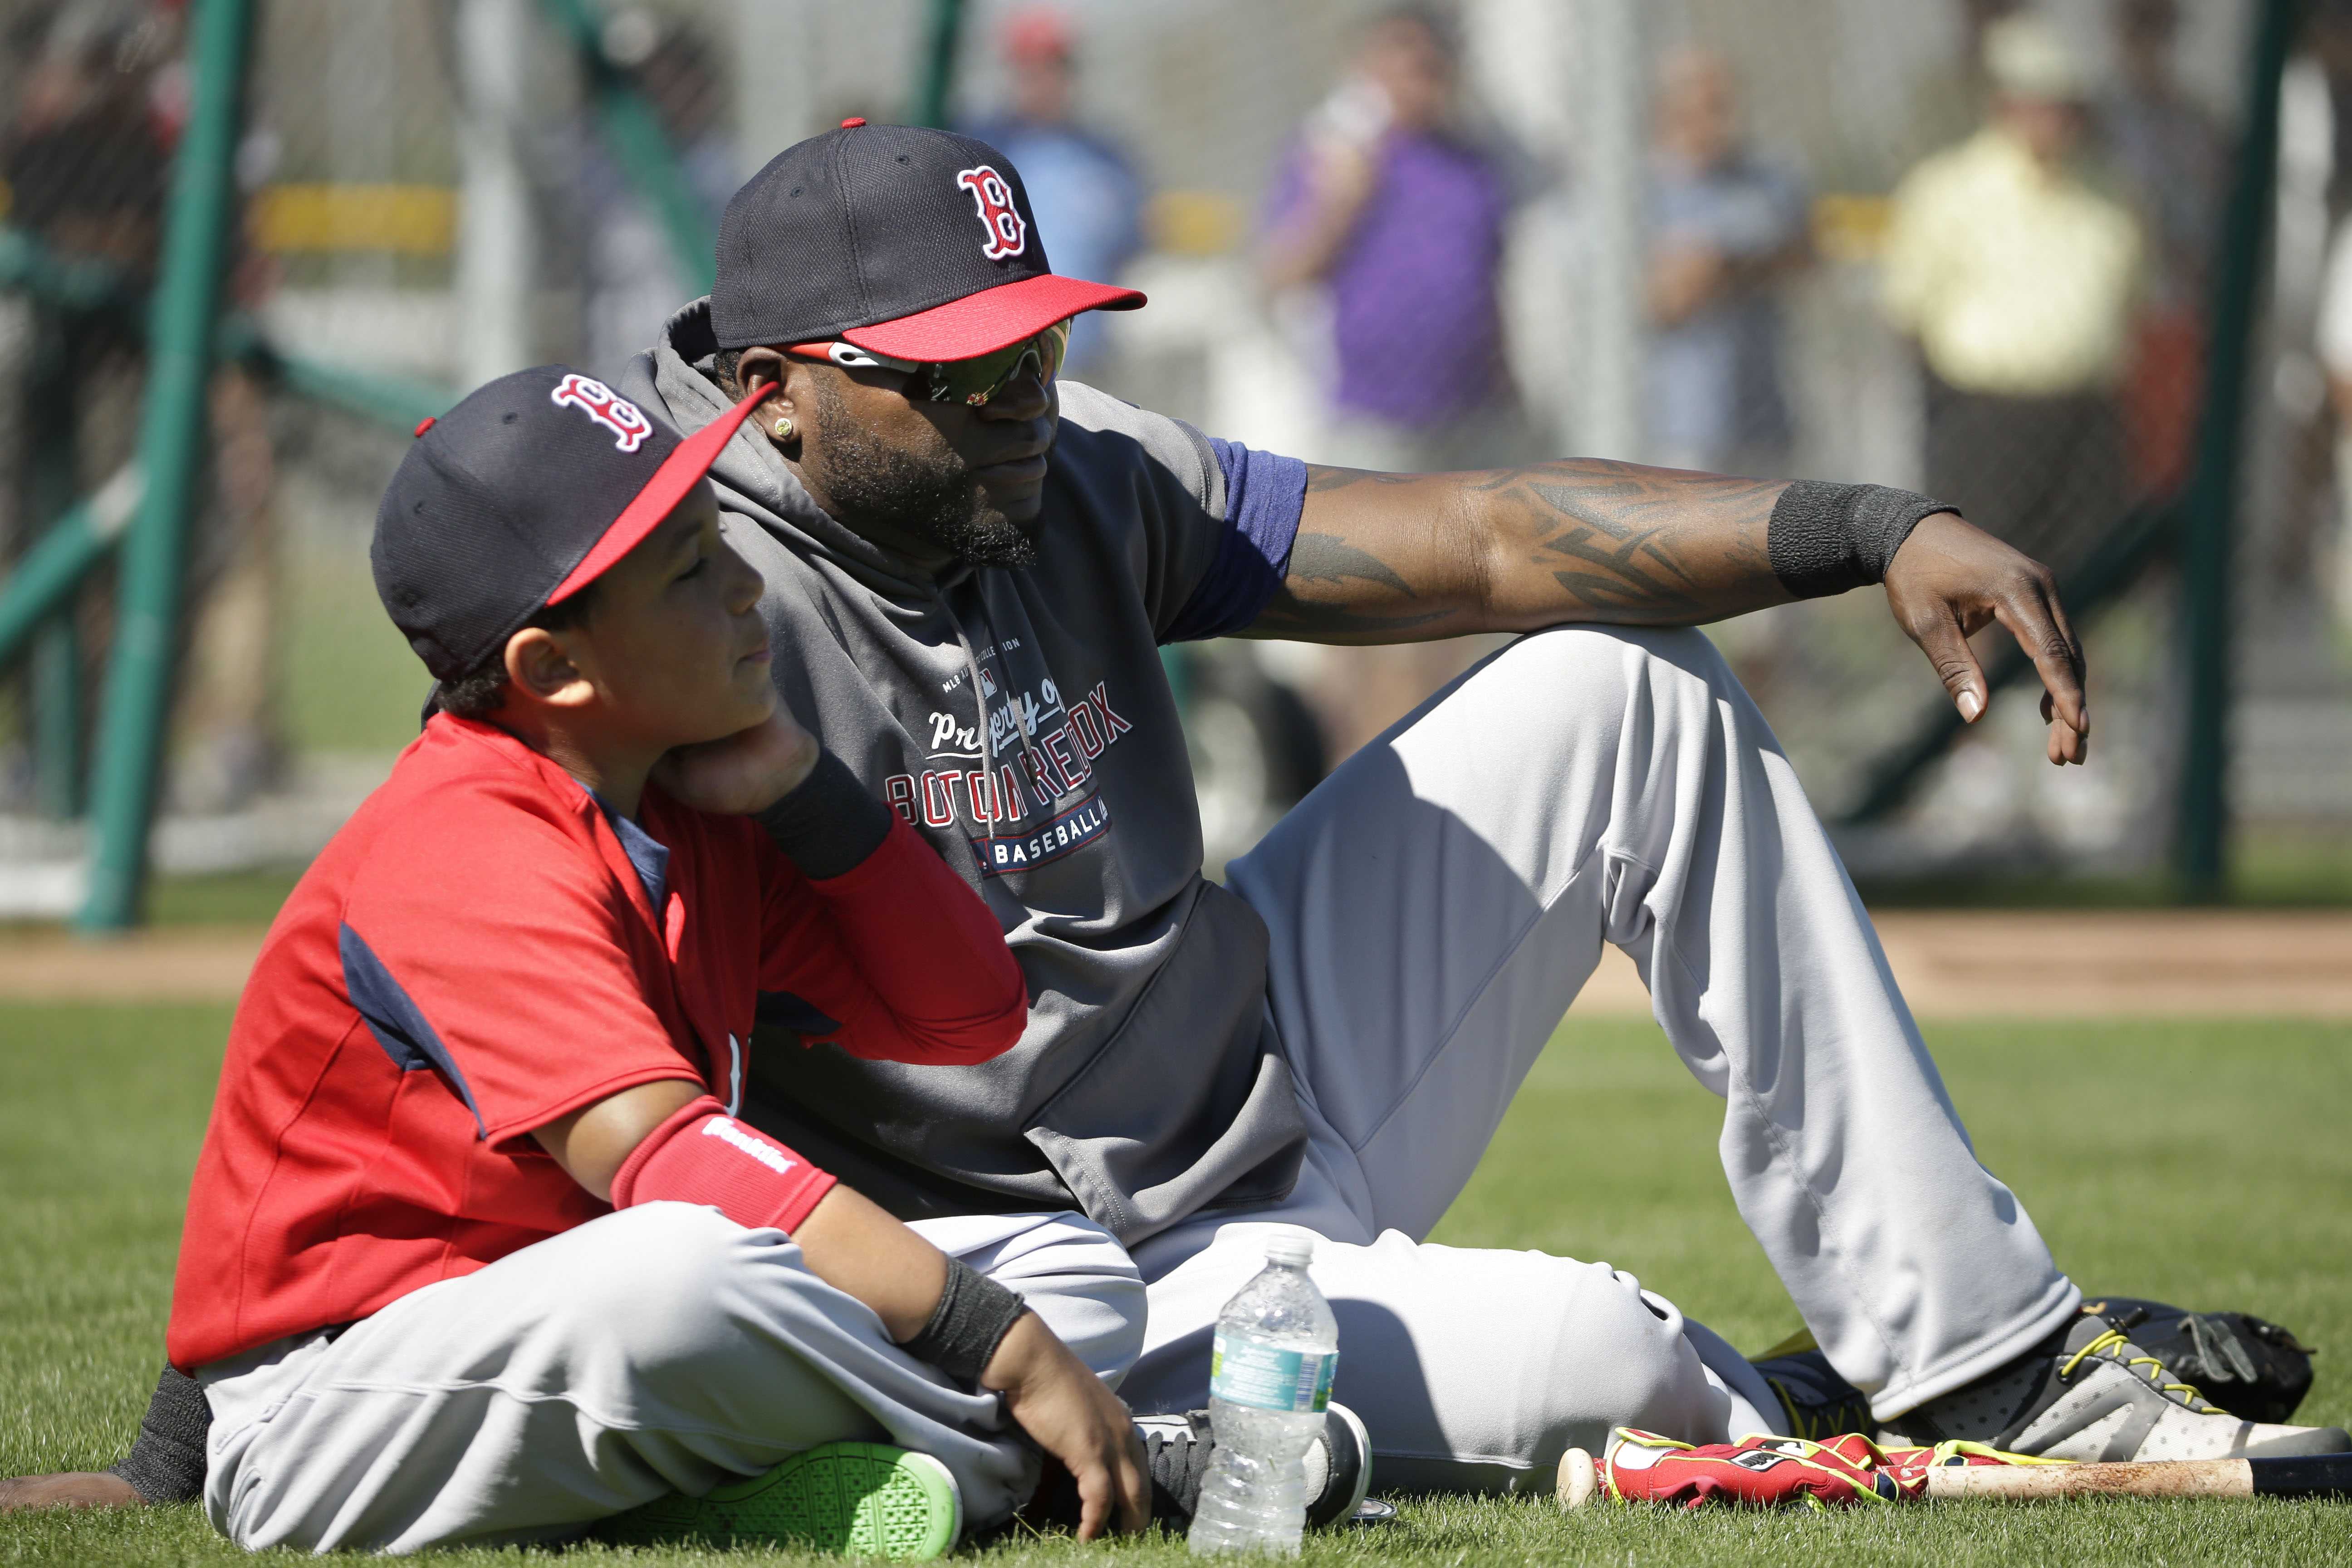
<point>1816,1403</point>
<point>2252,1368</point>
<point>1339,1466</point>
<point>2087,1392</point>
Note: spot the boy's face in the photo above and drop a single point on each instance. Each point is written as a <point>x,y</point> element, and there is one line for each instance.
<point>674,645</point>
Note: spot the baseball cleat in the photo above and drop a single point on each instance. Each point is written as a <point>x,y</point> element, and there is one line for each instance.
<point>1339,1466</point>
<point>1816,1403</point>
<point>865,1498</point>
<point>2088,1394</point>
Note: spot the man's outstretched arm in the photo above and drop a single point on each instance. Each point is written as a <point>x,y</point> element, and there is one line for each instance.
<point>1384,558</point>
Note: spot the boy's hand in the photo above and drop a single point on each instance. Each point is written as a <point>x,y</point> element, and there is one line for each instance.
<point>1073,1416</point>
<point>749,771</point>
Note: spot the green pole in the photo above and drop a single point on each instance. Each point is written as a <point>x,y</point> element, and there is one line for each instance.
<point>51,472</point>
<point>45,576</point>
<point>946,36</point>
<point>2211,505</point>
<point>180,340</point>
<point>640,145</point>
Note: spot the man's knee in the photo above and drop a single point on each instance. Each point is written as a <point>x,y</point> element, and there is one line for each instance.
<point>1589,669</point>
<point>1622,1359</point>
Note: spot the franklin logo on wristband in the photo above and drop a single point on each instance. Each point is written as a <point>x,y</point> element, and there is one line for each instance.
<point>759,1148</point>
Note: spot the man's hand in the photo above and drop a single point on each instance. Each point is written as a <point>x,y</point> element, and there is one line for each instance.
<point>747,771</point>
<point>1385,558</point>
<point>1073,1416</point>
<point>71,1488</point>
<point>1951,580</point>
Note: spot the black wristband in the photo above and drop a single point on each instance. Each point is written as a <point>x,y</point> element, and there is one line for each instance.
<point>167,1462</point>
<point>972,1318</point>
<point>830,823</point>
<point>1824,539</point>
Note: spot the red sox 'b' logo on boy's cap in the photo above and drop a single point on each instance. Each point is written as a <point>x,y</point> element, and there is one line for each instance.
<point>1007,235</point>
<point>607,407</point>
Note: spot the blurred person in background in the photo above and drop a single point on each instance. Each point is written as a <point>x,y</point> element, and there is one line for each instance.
<point>2174,162</point>
<point>87,156</point>
<point>1088,197</point>
<point>2018,277</point>
<point>1396,214</point>
<point>632,275</point>
<point>1726,229</point>
<point>1947,101</point>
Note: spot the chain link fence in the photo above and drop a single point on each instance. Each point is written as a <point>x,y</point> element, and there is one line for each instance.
<point>1907,241</point>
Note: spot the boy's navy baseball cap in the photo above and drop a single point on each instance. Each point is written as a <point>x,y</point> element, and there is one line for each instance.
<point>519,498</point>
<point>906,242</point>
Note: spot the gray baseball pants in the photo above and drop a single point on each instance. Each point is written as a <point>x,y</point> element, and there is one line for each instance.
<point>1434,907</point>
<point>660,1348</point>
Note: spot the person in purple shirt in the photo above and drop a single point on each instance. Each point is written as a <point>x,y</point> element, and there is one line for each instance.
<point>1387,205</point>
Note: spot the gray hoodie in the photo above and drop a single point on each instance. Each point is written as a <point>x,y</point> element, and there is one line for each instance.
<point>1020,718</point>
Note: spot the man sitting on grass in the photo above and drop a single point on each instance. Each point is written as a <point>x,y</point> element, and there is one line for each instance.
<point>971,567</point>
<point>476,1249</point>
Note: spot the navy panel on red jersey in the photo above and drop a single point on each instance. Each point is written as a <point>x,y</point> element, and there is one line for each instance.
<point>476,954</point>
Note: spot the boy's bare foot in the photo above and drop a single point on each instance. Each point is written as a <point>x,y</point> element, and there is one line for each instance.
<point>70,1489</point>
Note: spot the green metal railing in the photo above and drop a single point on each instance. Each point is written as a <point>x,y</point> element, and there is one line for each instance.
<point>145,509</point>
<point>180,345</point>
<point>943,41</point>
<point>2210,508</point>
<point>639,144</point>
<point>2199,527</point>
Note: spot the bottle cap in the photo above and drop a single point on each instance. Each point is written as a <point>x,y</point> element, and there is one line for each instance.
<point>1296,1251</point>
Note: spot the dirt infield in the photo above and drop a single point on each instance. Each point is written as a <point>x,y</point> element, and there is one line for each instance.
<point>2117,963</point>
<point>2133,964</point>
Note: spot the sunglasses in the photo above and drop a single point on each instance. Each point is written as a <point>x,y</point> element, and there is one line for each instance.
<point>970,381</point>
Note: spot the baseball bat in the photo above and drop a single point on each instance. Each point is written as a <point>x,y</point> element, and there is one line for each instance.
<point>2303,1476</point>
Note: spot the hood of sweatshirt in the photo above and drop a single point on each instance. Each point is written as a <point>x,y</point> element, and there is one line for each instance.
<point>1020,718</point>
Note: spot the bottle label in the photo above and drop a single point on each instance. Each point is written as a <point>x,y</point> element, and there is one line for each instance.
<point>1266,1377</point>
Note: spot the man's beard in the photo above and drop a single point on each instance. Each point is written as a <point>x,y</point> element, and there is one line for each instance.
<point>934,499</point>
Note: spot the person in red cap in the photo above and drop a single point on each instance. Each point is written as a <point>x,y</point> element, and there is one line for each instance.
<point>972,565</point>
<point>1084,185</point>
<point>477,1246</point>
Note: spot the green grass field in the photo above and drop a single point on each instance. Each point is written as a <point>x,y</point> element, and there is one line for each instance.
<point>2207,1163</point>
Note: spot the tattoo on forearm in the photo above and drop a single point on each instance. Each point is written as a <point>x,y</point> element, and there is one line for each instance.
<point>1420,555</point>
<point>1634,544</point>
<point>1327,558</point>
<point>1321,558</point>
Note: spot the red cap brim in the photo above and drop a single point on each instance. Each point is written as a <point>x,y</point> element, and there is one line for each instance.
<point>679,473</point>
<point>984,322</point>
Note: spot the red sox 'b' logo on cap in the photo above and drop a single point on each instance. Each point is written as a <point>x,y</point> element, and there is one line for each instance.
<point>1007,235</point>
<point>606,407</point>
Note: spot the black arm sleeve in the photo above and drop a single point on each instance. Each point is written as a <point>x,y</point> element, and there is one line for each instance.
<point>167,1463</point>
<point>830,823</point>
<point>972,1318</point>
<point>1824,539</point>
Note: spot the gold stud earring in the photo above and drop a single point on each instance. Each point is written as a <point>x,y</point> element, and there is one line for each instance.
<point>784,428</point>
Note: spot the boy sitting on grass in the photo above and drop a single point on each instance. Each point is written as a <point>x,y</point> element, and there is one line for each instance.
<point>476,1249</point>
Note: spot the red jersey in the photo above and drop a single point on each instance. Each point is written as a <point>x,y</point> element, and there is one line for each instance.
<point>482,949</point>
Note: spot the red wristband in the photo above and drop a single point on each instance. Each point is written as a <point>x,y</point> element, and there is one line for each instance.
<point>699,1154</point>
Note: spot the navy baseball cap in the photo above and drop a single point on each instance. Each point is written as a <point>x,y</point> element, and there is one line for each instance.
<point>908,242</point>
<point>519,498</point>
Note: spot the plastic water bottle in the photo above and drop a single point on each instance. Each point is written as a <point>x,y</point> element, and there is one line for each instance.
<point>1276,1347</point>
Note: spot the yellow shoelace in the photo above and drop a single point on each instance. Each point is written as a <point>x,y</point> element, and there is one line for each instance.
<point>2109,1342</point>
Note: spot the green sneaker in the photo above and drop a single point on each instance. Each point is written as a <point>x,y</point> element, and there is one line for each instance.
<point>865,1498</point>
